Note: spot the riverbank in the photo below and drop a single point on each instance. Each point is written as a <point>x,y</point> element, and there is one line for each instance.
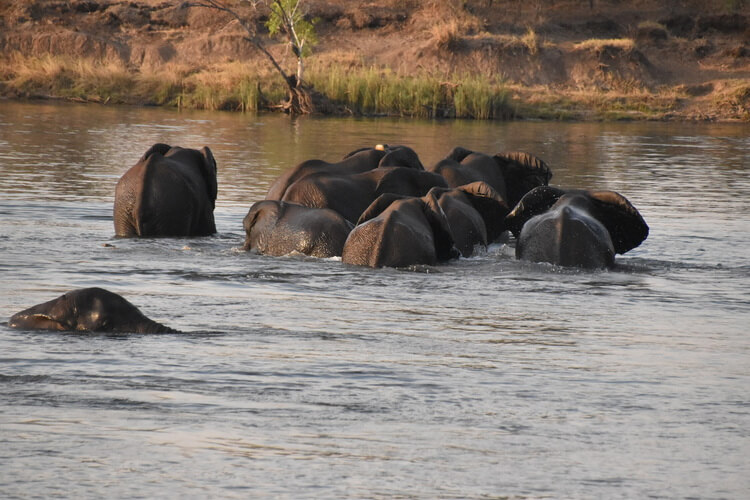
<point>471,59</point>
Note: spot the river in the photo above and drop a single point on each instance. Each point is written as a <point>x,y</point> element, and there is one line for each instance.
<point>307,378</point>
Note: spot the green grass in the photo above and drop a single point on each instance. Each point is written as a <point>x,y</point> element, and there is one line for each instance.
<point>374,91</point>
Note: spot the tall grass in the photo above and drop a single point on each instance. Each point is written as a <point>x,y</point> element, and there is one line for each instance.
<point>375,91</point>
<point>237,86</point>
<point>231,86</point>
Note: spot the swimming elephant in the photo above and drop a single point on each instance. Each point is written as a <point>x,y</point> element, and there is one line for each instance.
<point>512,175</point>
<point>280,228</point>
<point>87,309</point>
<point>358,161</point>
<point>475,212</point>
<point>350,195</point>
<point>398,232</point>
<point>572,227</point>
<point>171,191</point>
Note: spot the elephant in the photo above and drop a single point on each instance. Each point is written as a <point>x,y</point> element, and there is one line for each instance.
<point>171,191</point>
<point>279,228</point>
<point>358,161</point>
<point>350,195</point>
<point>573,227</point>
<point>400,232</point>
<point>475,212</point>
<point>512,175</point>
<point>87,309</point>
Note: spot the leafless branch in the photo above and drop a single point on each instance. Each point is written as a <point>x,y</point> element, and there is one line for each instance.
<point>252,35</point>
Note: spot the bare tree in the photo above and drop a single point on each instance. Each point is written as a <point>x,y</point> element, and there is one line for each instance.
<point>286,17</point>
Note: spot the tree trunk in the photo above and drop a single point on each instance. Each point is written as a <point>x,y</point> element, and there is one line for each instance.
<point>300,101</point>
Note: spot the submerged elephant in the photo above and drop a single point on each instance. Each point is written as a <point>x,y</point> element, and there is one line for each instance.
<point>279,228</point>
<point>356,162</point>
<point>512,175</point>
<point>87,309</point>
<point>400,232</point>
<point>171,191</point>
<point>350,195</point>
<point>571,227</point>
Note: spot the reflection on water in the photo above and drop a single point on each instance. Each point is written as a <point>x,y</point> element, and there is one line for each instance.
<point>304,377</point>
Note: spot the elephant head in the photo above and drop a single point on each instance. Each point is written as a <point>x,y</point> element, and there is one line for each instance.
<point>391,156</point>
<point>204,161</point>
<point>171,191</point>
<point>522,173</point>
<point>350,195</point>
<point>87,309</point>
<point>401,156</point>
<point>475,212</point>
<point>575,227</point>
<point>400,231</point>
<point>280,228</point>
<point>510,174</point>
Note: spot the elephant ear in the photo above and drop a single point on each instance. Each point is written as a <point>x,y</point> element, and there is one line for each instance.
<point>445,248</point>
<point>401,156</point>
<point>458,153</point>
<point>377,207</point>
<point>491,207</point>
<point>522,172</point>
<point>208,169</point>
<point>159,147</point>
<point>623,221</point>
<point>255,210</point>
<point>535,202</point>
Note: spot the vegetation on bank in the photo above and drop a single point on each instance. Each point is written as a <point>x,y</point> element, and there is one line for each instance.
<point>240,87</point>
<point>353,90</point>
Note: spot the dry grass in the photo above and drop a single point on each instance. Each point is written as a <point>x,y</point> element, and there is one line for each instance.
<point>651,25</point>
<point>241,87</point>
<point>601,43</point>
<point>546,103</point>
<point>230,86</point>
<point>531,41</point>
<point>366,90</point>
<point>447,36</point>
<point>447,12</point>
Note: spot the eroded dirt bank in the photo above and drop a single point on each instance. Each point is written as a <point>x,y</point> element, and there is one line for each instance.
<point>601,59</point>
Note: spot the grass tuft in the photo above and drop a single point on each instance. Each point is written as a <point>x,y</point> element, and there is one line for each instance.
<point>447,36</point>
<point>531,41</point>
<point>601,43</point>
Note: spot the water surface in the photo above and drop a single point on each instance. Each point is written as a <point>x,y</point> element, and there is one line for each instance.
<point>302,377</point>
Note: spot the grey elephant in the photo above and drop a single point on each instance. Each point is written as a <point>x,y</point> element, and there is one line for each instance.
<point>87,309</point>
<point>572,227</point>
<point>399,232</point>
<point>356,162</point>
<point>475,213</point>
<point>350,195</point>
<point>171,191</point>
<point>512,175</point>
<point>280,228</point>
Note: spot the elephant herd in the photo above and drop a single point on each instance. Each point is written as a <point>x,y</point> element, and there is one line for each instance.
<point>377,207</point>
